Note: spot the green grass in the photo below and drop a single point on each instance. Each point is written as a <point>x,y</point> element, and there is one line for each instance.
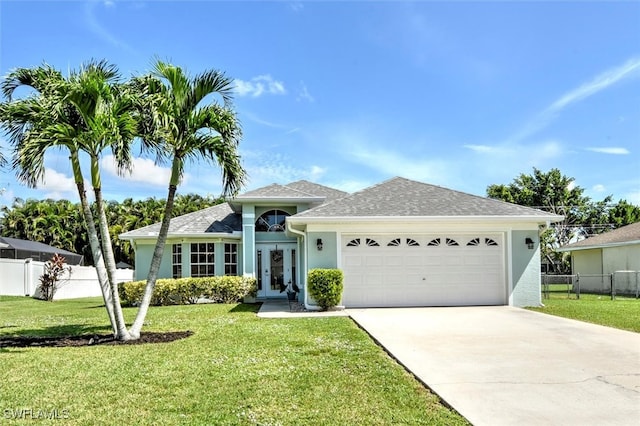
<point>623,312</point>
<point>234,369</point>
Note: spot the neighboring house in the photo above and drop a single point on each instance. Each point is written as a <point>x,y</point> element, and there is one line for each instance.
<point>615,252</point>
<point>399,243</point>
<point>14,248</point>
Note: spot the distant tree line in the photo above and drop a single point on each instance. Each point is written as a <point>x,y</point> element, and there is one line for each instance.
<point>60,222</point>
<point>556,193</point>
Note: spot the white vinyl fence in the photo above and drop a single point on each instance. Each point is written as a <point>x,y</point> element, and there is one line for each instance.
<point>21,277</point>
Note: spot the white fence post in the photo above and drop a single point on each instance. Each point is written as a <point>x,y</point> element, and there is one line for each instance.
<point>28,276</point>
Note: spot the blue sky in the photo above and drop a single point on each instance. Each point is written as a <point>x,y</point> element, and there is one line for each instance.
<point>348,94</point>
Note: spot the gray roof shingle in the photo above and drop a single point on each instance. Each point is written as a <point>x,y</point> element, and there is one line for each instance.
<point>400,197</point>
<point>315,189</point>
<point>624,234</point>
<point>274,191</point>
<point>216,219</point>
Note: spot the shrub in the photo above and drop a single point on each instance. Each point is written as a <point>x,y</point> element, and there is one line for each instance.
<point>325,286</point>
<point>184,291</point>
<point>50,280</point>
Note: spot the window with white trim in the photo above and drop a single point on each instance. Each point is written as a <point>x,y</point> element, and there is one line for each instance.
<point>272,221</point>
<point>230,259</point>
<point>176,260</point>
<point>203,260</point>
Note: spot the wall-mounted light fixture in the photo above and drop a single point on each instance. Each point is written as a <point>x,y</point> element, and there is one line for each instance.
<point>319,244</point>
<point>529,243</point>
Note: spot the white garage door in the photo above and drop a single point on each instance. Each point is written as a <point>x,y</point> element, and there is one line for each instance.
<point>435,270</point>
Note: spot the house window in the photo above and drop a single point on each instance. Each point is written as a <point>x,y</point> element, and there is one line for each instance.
<point>203,259</point>
<point>271,221</point>
<point>230,259</point>
<point>176,260</point>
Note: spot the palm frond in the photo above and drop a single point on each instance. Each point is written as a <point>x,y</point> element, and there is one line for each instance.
<point>211,82</point>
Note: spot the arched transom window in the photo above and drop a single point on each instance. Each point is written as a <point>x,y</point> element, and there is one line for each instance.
<point>271,221</point>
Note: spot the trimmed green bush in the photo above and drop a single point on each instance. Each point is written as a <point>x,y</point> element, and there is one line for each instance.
<point>325,286</point>
<point>184,291</point>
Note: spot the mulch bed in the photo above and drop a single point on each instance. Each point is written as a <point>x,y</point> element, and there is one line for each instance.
<point>88,340</point>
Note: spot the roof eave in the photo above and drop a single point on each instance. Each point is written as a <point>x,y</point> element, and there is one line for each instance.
<point>493,218</point>
<point>272,200</point>
<point>152,236</point>
<point>598,246</point>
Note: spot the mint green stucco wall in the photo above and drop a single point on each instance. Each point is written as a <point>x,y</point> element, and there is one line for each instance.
<point>328,257</point>
<point>525,270</point>
<point>144,253</point>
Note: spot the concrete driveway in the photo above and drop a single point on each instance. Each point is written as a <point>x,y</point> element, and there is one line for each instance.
<point>508,366</point>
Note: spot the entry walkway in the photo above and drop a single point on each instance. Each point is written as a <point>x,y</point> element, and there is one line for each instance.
<point>280,308</point>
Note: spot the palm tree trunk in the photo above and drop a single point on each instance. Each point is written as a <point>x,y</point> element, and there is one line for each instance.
<point>94,241</point>
<point>121,329</point>
<point>158,252</point>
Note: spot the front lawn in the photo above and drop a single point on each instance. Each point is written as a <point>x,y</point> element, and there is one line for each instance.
<point>234,369</point>
<point>623,312</point>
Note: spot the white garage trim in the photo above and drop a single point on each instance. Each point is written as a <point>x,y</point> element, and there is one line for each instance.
<point>443,269</point>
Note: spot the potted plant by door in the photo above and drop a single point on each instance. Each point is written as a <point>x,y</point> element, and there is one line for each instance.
<point>292,291</point>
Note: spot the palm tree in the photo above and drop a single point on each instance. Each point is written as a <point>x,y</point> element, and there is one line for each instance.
<point>185,128</point>
<point>76,113</point>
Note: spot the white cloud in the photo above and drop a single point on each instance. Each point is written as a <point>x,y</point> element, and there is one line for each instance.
<point>600,82</point>
<point>265,168</point>
<point>597,84</point>
<point>633,198</point>
<point>99,30</point>
<point>258,86</point>
<point>57,185</point>
<point>393,163</point>
<point>317,172</point>
<point>481,148</point>
<point>304,95</point>
<point>509,153</point>
<point>144,171</point>
<point>598,188</point>
<point>296,6</point>
<point>610,150</point>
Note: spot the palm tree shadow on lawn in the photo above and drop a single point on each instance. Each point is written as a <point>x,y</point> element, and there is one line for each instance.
<point>81,335</point>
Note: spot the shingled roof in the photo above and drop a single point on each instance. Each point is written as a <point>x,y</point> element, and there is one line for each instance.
<point>400,197</point>
<point>274,191</point>
<point>330,194</point>
<point>629,234</point>
<point>223,218</point>
<point>217,219</point>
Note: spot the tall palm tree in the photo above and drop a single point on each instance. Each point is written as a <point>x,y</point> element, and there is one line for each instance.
<point>185,128</point>
<point>74,113</point>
